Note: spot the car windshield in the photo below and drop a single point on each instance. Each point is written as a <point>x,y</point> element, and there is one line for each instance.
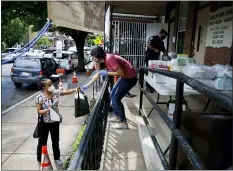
<point>64,56</point>
<point>49,51</point>
<point>27,63</point>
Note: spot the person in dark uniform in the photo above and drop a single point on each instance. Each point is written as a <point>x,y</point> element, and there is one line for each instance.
<point>155,45</point>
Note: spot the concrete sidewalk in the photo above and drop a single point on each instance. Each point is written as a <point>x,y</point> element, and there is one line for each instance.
<point>18,124</point>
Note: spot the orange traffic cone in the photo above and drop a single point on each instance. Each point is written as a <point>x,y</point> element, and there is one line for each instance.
<point>45,161</point>
<point>60,84</point>
<point>74,80</point>
<point>88,73</point>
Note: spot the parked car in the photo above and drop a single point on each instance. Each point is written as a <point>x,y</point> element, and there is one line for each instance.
<point>86,51</point>
<point>48,53</point>
<point>31,70</point>
<point>35,53</point>
<point>9,57</point>
<point>68,61</point>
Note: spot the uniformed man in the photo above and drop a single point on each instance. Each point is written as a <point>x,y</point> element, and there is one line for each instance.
<point>155,45</point>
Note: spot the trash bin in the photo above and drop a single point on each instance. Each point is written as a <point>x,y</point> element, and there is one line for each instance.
<point>81,104</point>
<point>210,135</point>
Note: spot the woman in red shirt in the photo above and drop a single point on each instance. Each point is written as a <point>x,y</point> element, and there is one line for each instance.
<point>115,66</point>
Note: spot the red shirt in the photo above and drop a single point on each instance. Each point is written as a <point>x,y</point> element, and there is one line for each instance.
<point>113,62</point>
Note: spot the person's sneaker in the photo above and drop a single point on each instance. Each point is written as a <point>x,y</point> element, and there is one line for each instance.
<point>130,95</point>
<point>149,90</point>
<point>58,162</point>
<point>121,126</point>
<point>113,119</point>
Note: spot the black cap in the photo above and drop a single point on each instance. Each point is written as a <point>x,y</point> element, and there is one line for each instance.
<point>98,52</point>
<point>163,31</point>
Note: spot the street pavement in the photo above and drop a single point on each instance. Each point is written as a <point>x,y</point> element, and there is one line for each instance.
<point>10,94</point>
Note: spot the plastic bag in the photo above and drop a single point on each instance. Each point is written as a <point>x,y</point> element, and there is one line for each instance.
<point>172,55</point>
<point>81,104</point>
<point>209,82</point>
<point>200,71</point>
<point>222,70</point>
<point>223,84</point>
<point>182,61</point>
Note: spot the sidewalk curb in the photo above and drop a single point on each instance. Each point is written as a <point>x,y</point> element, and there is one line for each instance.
<point>19,103</point>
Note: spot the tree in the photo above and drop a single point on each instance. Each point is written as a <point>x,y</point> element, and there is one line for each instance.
<point>14,32</point>
<point>35,13</point>
<point>44,41</point>
<point>79,38</point>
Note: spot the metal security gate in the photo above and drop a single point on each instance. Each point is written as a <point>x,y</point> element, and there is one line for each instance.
<point>129,36</point>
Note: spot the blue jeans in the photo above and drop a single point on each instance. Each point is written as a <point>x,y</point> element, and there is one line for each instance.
<point>119,90</point>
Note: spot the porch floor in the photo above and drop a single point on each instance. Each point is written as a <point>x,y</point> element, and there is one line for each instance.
<point>133,149</point>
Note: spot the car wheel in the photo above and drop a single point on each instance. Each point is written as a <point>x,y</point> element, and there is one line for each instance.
<point>18,85</point>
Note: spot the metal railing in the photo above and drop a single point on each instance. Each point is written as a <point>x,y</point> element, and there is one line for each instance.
<point>177,137</point>
<point>88,155</point>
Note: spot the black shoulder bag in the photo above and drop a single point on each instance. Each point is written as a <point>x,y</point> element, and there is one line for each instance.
<point>36,133</point>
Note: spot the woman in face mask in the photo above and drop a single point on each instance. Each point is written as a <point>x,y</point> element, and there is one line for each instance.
<point>115,66</point>
<point>47,101</point>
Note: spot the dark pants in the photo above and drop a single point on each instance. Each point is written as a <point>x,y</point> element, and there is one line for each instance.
<point>147,58</point>
<point>45,128</point>
<point>120,89</point>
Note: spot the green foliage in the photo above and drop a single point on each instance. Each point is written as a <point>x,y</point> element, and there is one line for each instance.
<point>44,41</point>
<point>14,32</point>
<point>31,12</point>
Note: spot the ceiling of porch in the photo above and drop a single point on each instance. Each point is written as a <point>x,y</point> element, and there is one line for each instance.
<point>151,8</point>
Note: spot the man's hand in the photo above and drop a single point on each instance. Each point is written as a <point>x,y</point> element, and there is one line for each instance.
<point>156,50</point>
<point>103,73</point>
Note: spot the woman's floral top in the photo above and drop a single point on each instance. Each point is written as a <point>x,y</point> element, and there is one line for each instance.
<point>46,103</point>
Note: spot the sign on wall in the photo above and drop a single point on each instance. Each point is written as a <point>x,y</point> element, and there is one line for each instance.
<point>79,15</point>
<point>219,32</point>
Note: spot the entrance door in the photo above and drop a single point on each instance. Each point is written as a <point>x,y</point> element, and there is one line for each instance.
<point>201,32</point>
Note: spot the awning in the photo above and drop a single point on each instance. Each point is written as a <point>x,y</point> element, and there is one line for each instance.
<point>79,15</point>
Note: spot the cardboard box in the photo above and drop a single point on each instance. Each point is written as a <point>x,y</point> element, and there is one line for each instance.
<point>156,64</point>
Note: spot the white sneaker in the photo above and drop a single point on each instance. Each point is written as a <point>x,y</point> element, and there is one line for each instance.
<point>58,162</point>
<point>121,126</point>
<point>113,119</point>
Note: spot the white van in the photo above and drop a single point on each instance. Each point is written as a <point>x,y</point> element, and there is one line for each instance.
<point>68,61</point>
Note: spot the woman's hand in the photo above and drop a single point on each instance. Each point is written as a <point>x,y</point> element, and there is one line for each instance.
<point>85,87</point>
<point>103,73</point>
<point>78,89</point>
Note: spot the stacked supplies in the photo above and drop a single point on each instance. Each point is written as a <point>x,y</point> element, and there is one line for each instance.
<point>157,64</point>
<point>217,76</point>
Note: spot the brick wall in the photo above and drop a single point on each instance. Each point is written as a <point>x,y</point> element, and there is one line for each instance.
<point>217,56</point>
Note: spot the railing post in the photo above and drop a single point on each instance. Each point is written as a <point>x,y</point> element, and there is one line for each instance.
<point>177,122</point>
<point>141,82</point>
<point>93,90</point>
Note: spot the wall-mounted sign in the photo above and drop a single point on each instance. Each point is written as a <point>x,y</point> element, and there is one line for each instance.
<point>219,32</point>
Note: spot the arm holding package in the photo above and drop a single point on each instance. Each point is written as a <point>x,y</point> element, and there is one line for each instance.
<point>94,79</point>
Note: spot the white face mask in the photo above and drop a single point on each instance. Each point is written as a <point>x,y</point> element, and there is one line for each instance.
<point>51,88</point>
